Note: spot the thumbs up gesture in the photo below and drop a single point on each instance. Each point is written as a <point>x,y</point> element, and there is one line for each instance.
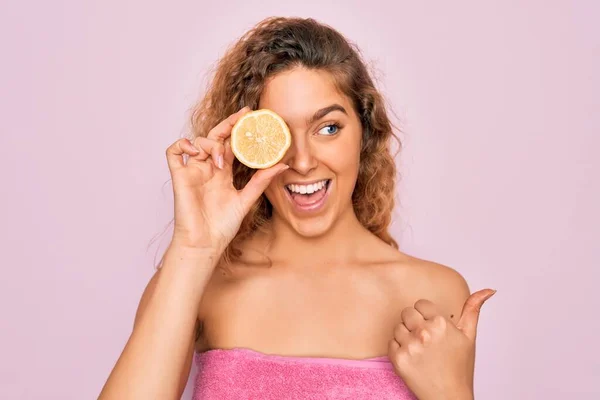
<point>432,355</point>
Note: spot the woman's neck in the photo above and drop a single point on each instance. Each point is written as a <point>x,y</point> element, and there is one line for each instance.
<point>339,244</point>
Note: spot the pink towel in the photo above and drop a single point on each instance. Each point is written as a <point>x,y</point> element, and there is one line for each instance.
<point>247,374</point>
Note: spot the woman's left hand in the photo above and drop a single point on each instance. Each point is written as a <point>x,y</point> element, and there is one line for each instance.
<point>434,357</point>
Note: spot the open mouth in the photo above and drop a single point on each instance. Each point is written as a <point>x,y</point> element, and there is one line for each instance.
<point>309,197</point>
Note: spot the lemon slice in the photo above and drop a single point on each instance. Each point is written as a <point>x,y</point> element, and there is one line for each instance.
<point>260,138</point>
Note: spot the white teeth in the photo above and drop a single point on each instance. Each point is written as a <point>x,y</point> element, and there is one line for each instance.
<point>304,189</point>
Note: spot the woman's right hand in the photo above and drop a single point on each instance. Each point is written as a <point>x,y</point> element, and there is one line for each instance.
<point>208,208</point>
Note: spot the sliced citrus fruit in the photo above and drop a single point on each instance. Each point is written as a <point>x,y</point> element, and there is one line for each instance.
<point>260,138</point>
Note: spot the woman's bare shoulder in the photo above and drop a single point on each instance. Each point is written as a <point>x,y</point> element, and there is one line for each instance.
<point>418,278</point>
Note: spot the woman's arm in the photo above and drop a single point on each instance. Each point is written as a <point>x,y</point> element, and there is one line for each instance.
<point>157,355</point>
<point>157,358</point>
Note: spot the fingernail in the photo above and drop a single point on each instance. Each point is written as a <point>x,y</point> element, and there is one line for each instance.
<point>195,149</point>
<point>220,161</point>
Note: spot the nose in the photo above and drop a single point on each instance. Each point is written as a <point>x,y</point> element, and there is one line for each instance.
<point>300,156</point>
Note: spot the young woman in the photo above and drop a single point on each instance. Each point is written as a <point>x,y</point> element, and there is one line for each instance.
<point>261,276</point>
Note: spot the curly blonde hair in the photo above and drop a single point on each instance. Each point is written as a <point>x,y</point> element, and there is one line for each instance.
<point>278,44</point>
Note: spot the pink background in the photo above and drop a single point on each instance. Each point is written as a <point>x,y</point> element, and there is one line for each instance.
<point>500,107</point>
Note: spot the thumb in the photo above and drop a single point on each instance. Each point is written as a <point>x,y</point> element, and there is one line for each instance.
<point>470,312</point>
<point>258,183</point>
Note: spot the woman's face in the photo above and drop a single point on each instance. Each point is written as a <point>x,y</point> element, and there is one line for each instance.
<point>324,155</point>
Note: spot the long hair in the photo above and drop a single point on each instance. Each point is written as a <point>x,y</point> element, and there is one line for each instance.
<point>278,44</point>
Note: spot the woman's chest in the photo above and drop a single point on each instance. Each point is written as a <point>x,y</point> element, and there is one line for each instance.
<point>346,315</point>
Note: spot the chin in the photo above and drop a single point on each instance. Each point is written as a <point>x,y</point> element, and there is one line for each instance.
<point>313,227</point>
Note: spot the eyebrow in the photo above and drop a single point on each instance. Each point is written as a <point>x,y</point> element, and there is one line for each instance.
<point>324,111</point>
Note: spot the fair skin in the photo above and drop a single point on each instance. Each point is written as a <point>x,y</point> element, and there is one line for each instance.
<point>333,289</point>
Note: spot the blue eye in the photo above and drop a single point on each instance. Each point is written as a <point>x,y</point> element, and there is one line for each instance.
<point>329,130</point>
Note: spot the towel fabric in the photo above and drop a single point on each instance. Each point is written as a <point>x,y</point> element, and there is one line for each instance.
<point>247,374</point>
